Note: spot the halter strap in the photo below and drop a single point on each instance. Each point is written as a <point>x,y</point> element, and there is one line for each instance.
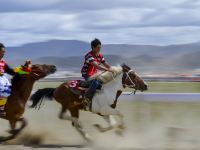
<point>129,71</point>
<point>128,77</point>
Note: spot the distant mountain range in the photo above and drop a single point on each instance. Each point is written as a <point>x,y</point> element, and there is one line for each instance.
<point>144,58</point>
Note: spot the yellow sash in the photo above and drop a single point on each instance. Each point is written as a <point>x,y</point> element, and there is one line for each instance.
<point>3,101</point>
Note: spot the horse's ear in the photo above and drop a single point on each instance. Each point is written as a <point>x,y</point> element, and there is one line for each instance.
<point>123,65</point>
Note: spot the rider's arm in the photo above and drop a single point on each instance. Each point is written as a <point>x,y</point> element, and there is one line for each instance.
<point>9,70</point>
<point>99,67</point>
<point>106,65</point>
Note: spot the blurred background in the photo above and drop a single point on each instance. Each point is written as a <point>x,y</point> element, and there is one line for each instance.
<point>158,40</point>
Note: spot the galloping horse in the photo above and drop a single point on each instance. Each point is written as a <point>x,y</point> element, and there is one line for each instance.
<point>20,91</point>
<point>104,106</point>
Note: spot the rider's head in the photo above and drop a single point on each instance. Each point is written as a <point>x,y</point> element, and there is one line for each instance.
<point>28,63</point>
<point>96,45</point>
<point>2,50</point>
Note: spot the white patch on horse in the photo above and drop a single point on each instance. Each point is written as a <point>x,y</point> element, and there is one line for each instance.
<point>111,83</point>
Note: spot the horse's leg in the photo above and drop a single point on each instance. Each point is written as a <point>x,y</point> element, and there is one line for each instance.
<point>23,124</point>
<point>6,138</point>
<point>109,118</point>
<point>119,92</point>
<point>111,123</point>
<point>110,111</point>
<point>12,125</point>
<point>15,131</point>
<point>77,124</point>
<point>64,116</point>
<point>62,112</point>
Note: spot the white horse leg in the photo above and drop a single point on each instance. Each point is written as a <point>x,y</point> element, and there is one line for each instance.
<point>77,125</point>
<point>79,128</point>
<point>122,124</point>
<point>66,117</point>
<point>111,123</point>
<point>110,111</point>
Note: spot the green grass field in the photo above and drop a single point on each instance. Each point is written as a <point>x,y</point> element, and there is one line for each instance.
<point>153,87</point>
<point>174,87</point>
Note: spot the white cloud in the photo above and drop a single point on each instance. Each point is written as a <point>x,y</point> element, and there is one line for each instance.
<point>36,3</point>
<point>119,21</point>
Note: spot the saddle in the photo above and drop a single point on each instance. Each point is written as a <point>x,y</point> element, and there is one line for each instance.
<point>79,87</point>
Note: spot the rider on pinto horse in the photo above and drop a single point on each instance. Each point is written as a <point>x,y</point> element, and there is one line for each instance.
<point>5,85</point>
<point>93,61</point>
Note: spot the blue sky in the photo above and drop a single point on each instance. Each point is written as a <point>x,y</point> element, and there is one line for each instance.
<point>155,22</point>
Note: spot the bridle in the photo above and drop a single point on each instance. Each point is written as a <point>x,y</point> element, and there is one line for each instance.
<point>128,79</point>
<point>37,73</point>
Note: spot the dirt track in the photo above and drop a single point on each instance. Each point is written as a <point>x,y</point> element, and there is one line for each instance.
<point>149,126</point>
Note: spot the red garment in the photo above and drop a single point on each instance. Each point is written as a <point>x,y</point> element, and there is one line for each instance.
<point>26,69</point>
<point>74,84</point>
<point>2,66</point>
<point>88,68</point>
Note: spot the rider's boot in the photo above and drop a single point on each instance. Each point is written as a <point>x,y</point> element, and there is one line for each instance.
<point>89,94</point>
<point>87,100</point>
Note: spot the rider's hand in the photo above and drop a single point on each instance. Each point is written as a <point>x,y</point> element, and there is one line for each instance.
<point>110,70</point>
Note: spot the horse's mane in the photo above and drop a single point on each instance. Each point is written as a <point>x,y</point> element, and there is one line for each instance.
<point>106,77</point>
<point>15,79</point>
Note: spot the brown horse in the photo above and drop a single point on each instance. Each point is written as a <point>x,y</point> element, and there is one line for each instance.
<point>102,105</point>
<point>20,91</point>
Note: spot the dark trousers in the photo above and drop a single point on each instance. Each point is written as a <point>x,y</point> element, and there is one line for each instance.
<point>93,86</point>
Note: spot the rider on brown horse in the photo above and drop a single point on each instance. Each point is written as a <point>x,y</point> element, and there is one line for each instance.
<point>93,61</point>
<point>5,85</point>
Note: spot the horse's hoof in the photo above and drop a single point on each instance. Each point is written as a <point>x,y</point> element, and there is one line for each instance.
<point>88,138</point>
<point>2,139</point>
<point>119,132</point>
<point>122,127</point>
<point>15,131</point>
<point>112,105</point>
<point>98,127</point>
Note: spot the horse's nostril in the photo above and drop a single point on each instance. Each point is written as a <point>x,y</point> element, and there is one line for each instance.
<point>145,87</point>
<point>54,69</point>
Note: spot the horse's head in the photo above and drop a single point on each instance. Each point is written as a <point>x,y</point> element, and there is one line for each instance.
<point>132,80</point>
<point>39,71</point>
<point>27,74</point>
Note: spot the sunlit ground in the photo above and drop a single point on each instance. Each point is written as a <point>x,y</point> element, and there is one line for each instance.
<point>149,125</point>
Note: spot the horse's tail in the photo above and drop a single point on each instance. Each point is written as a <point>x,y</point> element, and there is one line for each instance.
<point>39,95</point>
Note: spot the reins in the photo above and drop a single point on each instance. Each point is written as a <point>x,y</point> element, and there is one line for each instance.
<point>133,84</point>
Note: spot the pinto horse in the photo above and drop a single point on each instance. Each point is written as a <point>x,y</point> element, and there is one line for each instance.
<point>102,105</point>
<point>20,91</point>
